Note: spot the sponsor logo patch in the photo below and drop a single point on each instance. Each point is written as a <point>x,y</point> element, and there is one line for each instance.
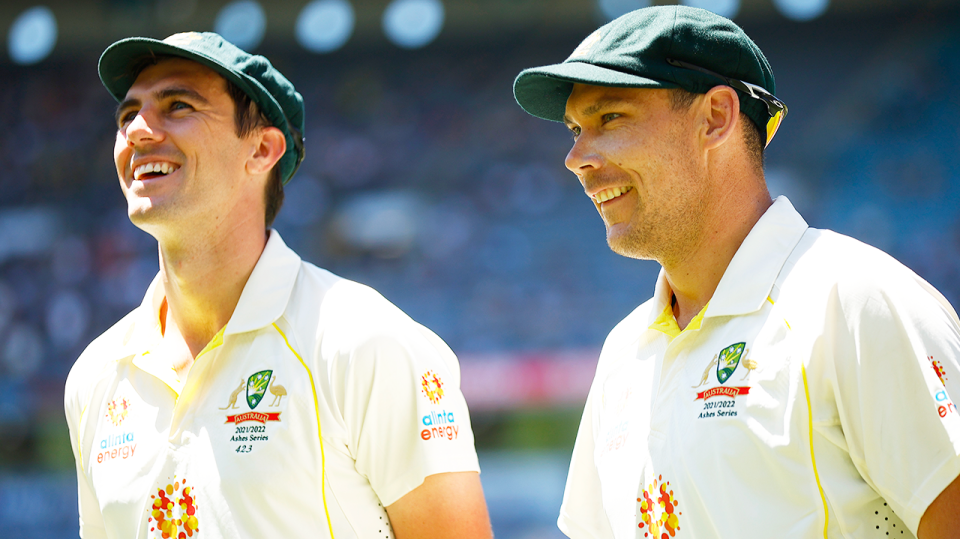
<point>938,368</point>
<point>439,425</point>
<point>432,387</point>
<point>117,444</point>
<point>659,516</point>
<point>173,512</point>
<point>117,410</point>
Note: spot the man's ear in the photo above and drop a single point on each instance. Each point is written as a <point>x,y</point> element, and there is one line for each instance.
<point>271,145</point>
<point>721,114</point>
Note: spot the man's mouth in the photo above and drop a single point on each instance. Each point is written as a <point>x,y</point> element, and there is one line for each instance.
<point>609,194</point>
<point>154,170</point>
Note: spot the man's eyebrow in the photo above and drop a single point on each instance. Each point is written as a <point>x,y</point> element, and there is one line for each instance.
<point>596,107</point>
<point>166,93</point>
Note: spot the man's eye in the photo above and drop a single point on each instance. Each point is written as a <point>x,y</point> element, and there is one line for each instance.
<point>178,105</point>
<point>575,131</point>
<point>609,117</point>
<point>126,118</point>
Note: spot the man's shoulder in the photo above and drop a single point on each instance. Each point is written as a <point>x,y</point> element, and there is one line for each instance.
<point>345,310</point>
<point>627,333</point>
<point>836,259</point>
<point>828,264</point>
<point>108,348</point>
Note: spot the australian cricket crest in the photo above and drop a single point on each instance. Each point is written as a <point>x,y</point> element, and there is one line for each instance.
<point>257,387</point>
<point>728,361</point>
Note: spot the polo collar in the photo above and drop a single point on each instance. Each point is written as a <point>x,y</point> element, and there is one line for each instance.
<point>268,290</point>
<point>751,274</point>
<point>262,302</point>
<point>748,280</point>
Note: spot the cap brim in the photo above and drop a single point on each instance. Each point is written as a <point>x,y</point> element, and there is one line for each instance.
<point>543,91</point>
<point>116,67</point>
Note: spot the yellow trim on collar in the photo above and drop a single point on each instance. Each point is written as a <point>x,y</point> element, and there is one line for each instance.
<point>667,324</point>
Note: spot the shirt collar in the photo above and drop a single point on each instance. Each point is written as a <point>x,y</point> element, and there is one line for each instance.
<point>267,292</point>
<point>262,302</point>
<point>750,276</point>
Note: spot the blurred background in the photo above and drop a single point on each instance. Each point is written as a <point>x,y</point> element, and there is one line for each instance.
<point>425,180</point>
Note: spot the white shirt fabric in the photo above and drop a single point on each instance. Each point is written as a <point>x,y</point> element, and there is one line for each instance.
<point>234,450</point>
<point>837,419</point>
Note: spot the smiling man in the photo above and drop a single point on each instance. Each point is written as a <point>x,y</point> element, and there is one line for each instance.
<point>252,394</point>
<point>783,381</point>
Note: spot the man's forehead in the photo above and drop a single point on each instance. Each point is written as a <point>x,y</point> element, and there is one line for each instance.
<point>587,99</point>
<point>181,70</point>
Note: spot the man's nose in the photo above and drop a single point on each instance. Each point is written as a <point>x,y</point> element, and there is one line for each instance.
<point>582,156</point>
<point>143,128</point>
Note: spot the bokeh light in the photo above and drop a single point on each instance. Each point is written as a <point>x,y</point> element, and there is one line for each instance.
<point>242,23</point>
<point>325,25</point>
<point>611,9</point>
<point>802,10</point>
<point>724,8</point>
<point>32,35</point>
<point>412,24</point>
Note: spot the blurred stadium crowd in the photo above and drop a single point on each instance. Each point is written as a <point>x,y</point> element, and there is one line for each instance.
<point>424,180</point>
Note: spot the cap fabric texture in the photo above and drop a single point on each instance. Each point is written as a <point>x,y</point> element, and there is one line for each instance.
<point>632,51</point>
<point>120,64</point>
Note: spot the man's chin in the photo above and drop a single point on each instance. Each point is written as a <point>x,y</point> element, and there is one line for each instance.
<point>625,242</point>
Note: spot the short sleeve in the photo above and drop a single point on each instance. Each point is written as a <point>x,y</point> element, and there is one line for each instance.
<point>897,373</point>
<point>581,514</point>
<point>404,410</point>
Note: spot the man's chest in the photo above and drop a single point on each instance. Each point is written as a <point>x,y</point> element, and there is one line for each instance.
<point>684,419</point>
<point>244,431</point>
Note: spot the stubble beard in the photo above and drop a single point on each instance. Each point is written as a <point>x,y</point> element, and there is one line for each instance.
<point>667,234</point>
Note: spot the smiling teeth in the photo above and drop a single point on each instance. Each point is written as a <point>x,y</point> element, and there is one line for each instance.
<point>162,168</point>
<point>608,194</point>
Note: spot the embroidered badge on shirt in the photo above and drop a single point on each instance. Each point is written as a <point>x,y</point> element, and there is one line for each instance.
<point>173,512</point>
<point>659,516</point>
<point>729,360</point>
<point>257,386</point>
<point>725,362</point>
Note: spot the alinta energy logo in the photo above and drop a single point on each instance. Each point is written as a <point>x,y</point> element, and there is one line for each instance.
<point>117,445</point>
<point>938,368</point>
<point>659,516</point>
<point>117,410</point>
<point>945,406</point>
<point>173,512</point>
<point>431,386</point>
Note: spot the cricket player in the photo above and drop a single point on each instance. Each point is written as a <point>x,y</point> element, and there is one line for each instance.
<point>252,394</point>
<point>783,381</point>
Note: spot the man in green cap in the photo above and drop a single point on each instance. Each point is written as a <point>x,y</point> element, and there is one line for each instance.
<point>782,381</point>
<point>252,394</point>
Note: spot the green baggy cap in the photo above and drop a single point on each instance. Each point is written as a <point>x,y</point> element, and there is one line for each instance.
<point>632,51</point>
<point>120,65</point>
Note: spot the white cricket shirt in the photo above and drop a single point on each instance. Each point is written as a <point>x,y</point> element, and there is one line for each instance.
<point>812,397</point>
<point>235,450</point>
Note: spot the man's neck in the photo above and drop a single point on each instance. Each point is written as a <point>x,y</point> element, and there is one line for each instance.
<point>202,284</point>
<point>694,278</point>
